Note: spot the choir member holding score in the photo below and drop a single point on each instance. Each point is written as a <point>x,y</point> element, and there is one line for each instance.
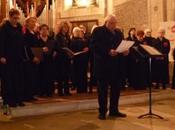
<point>80,62</point>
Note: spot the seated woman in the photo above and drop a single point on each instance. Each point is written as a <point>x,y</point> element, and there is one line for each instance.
<point>80,62</point>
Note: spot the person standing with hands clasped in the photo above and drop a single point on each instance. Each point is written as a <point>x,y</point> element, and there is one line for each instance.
<point>107,66</point>
<point>11,58</point>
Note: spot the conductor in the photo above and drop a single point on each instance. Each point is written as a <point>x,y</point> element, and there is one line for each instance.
<point>108,66</point>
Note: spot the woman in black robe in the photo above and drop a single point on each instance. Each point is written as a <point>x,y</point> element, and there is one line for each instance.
<point>31,62</point>
<point>128,59</point>
<point>63,61</point>
<point>132,35</point>
<point>162,64</point>
<point>47,63</point>
<point>139,65</point>
<point>80,62</point>
<point>173,80</point>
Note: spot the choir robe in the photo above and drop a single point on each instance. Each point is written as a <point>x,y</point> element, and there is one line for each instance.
<point>129,38</point>
<point>80,65</point>
<point>92,81</point>
<point>162,65</point>
<point>63,63</point>
<point>32,75</point>
<point>11,46</point>
<point>139,67</point>
<point>128,61</point>
<point>151,41</point>
<point>47,68</point>
<point>173,80</point>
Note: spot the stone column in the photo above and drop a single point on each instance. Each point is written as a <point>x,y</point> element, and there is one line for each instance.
<point>3,9</point>
<point>157,13</point>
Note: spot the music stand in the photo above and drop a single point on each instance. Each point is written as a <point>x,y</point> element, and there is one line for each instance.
<point>150,53</point>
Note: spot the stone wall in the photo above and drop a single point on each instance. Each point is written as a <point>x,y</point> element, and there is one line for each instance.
<point>131,13</point>
<point>80,13</point>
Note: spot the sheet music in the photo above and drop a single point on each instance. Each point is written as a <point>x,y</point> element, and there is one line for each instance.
<point>71,53</point>
<point>124,46</point>
<point>151,50</point>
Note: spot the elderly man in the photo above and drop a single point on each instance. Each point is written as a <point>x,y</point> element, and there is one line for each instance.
<point>148,39</point>
<point>162,65</point>
<point>107,67</point>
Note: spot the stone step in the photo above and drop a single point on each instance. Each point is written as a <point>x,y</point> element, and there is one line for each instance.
<point>77,105</point>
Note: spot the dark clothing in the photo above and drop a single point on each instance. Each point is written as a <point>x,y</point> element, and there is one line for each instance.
<point>127,65</point>
<point>63,62</point>
<point>173,80</point>
<point>129,38</point>
<point>80,65</point>
<point>32,79</point>
<point>139,67</point>
<point>149,41</point>
<point>162,65</point>
<point>11,45</point>
<point>47,68</point>
<point>105,66</point>
<point>93,80</point>
<point>107,69</point>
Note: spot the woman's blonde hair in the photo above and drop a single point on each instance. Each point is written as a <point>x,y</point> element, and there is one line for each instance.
<point>61,25</point>
<point>28,19</point>
<point>76,32</point>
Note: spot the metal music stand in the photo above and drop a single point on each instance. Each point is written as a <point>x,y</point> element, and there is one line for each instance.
<point>149,52</point>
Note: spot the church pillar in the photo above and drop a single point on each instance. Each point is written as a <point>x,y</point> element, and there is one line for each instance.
<point>3,4</point>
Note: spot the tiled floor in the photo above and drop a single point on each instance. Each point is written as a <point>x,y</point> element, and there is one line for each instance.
<point>87,120</point>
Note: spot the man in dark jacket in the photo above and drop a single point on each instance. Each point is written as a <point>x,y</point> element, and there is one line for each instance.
<point>162,64</point>
<point>107,66</point>
<point>11,46</point>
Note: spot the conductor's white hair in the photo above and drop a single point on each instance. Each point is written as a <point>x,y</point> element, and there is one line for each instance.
<point>110,17</point>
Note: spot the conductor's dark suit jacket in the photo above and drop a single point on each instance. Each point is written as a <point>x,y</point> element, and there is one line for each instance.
<point>105,66</point>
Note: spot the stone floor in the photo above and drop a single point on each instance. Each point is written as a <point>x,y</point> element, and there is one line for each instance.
<point>83,96</point>
<point>87,120</point>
